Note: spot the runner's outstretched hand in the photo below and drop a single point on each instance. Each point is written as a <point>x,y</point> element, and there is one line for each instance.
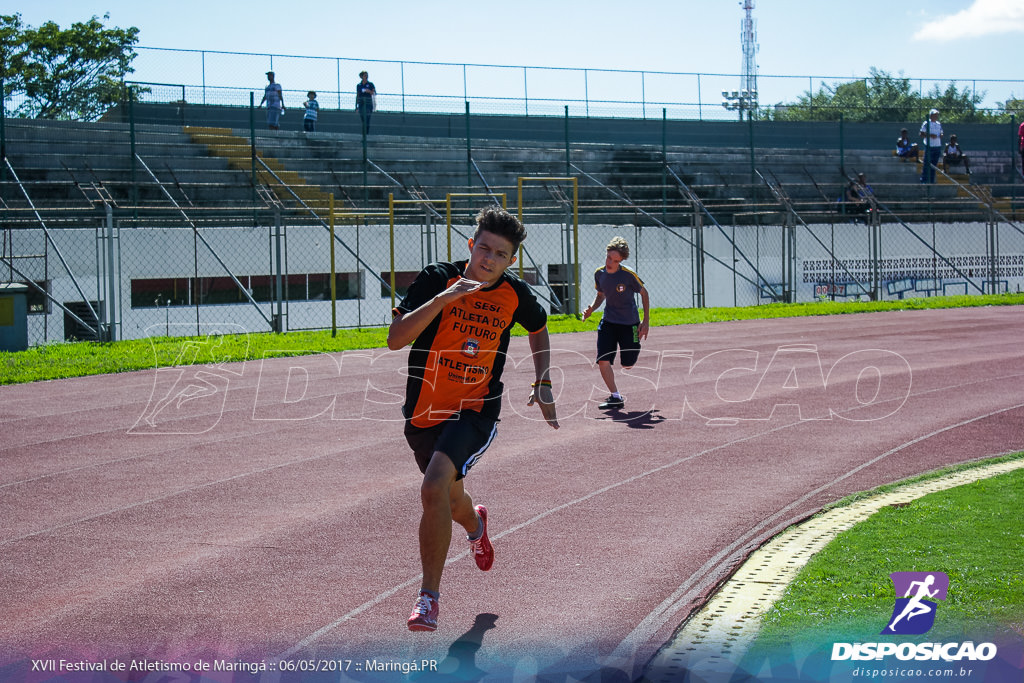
<point>542,396</point>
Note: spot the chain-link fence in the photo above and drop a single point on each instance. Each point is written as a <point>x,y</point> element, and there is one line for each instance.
<point>126,229</point>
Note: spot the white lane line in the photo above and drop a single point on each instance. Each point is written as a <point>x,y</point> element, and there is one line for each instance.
<point>687,592</point>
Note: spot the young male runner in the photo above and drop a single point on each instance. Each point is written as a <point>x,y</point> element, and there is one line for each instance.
<point>621,327</point>
<point>458,317</point>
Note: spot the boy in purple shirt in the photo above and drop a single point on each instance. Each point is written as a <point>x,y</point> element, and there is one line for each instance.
<point>621,327</point>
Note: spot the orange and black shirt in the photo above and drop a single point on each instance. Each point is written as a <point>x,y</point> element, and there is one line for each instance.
<point>456,362</point>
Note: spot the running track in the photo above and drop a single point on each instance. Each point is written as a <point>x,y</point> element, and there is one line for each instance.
<point>266,510</point>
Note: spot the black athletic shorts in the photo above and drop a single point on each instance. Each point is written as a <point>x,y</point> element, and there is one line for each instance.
<point>626,338</point>
<point>463,439</point>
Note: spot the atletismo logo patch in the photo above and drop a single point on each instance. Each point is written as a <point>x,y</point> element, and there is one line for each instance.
<point>914,612</point>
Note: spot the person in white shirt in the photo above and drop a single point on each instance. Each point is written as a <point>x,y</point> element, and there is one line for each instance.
<point>931,133</point>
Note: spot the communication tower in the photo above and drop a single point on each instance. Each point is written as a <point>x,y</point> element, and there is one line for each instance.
<point>749,78</point>
<point>746,97</point>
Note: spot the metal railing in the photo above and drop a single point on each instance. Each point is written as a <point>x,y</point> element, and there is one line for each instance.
<point>211,76</point>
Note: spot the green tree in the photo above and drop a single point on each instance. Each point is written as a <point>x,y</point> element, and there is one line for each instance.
<point>1014,106</point>
<point>12,55</point>
<point>881,97</point>
<point>958,106</point>
<point>75,73</point>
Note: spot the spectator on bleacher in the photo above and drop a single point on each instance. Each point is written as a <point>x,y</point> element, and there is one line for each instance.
<point>904,147</point>
<point>312,112</point>
<point>855,198</point>
<point>955,156</point>
<point>366,100</point>
<point>274,97</point>
<point>1020,143</point>
<point>931,132</point>
<point>863,188</point>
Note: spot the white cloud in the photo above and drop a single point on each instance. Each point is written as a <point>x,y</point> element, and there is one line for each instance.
<point>982,18</point>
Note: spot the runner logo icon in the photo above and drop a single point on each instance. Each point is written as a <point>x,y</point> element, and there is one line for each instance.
<point>914,612</point>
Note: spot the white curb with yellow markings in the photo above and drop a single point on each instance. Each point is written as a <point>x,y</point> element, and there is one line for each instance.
<point>727,625</point>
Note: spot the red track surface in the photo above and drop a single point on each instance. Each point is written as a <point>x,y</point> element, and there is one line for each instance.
<point>273,512</point>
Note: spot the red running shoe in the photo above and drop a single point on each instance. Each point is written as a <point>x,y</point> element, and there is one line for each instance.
<point>483,551</point>
<point>424,614</point>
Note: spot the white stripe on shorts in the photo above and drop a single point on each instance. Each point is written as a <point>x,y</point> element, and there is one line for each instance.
<point>472,460</point>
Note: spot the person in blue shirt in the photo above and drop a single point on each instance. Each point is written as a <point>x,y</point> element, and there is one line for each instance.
<point>904,147</point>
<point>621,328</point>
<point>366,100</point>
<point>274,97</point>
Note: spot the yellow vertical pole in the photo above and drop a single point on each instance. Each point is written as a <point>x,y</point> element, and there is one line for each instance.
<point>391,220</point>
<point>334,288</point>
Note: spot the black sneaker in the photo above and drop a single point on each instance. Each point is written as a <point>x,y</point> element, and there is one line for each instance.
<point>612,403</point>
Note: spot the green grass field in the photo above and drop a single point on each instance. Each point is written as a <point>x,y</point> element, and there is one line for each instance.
<point>58,361</point>
<point>974,533</point>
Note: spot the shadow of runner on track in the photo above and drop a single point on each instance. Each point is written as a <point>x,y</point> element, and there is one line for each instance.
<point>636,419</point>
<point>460,664</point>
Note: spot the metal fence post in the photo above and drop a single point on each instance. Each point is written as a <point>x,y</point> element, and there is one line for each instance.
<point>875,230</point>
<point>469,154</point>
<point>993,252</point>
<point>732,240</point>
<point>279,324</point>
<point>664,164</point>
<point>568,156</point>
<point>131,137</point>
<point>698,255</point>
<point>366,191</point>
<point>391,236</point>
<point>643,95</point>
<point>334,277</point>
<point>252,148</point>
<point>3,137</point>
<point>753,171</point>
<point>526,93</point>
<point>1014,155</point>
<point>700,105</point>
<point>111,333</point>
<point>586,93</point>
<point>842,150</point>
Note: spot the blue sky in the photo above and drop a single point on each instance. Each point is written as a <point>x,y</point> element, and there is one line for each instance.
<point>937,39</point>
